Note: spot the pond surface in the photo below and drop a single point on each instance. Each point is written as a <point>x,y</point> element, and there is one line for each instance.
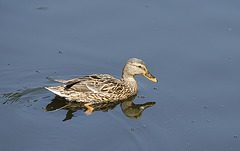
<point>192,47</point>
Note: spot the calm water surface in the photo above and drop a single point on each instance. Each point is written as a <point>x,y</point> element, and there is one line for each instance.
<point>192,47</point>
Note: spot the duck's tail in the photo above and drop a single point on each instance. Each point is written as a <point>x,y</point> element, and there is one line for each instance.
<point>57,91</point>
<point>60,80</point>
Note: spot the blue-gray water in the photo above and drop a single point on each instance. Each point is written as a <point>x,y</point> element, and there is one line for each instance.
<point>192,47</point>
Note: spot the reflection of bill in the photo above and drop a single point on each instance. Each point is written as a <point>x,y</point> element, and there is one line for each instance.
<point>130,109</point>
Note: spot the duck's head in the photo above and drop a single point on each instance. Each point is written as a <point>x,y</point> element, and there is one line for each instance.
<point>136,66</point>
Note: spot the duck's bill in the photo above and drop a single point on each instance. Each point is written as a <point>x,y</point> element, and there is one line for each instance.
<point>150,77</point>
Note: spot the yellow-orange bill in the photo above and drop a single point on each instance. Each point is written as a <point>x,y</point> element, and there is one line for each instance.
<point>150,77</point>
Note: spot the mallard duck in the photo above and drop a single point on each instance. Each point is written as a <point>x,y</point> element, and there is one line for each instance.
<point>103,88</point>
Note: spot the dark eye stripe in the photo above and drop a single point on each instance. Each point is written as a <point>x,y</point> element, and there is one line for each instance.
<point>141,68</point>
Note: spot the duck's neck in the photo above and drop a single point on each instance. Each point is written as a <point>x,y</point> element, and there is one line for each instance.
<point>130,81</point>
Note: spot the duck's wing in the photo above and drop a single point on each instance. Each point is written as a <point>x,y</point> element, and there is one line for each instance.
<point>96,83</point>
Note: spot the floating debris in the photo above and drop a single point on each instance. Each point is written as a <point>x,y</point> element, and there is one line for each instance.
<point>142,96</point>
<point>108,62</point>
<point>60,52</point>
<point>205,107</point>
<point>42,8</point>
<point>193,121</point>
<point>37,71</point>
<point>48,77</point>
<point>235,136</point>
<point>155,88</point>
<point>132,129</point>
<point>46,97</point>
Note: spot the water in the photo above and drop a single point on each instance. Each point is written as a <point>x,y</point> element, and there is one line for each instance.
<point>192,47</point>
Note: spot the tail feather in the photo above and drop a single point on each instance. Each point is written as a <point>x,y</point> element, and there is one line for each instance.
<point>56,91</point>
<point>60,80</point>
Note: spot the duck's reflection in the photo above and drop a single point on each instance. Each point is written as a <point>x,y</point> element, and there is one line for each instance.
<point>130,109</point>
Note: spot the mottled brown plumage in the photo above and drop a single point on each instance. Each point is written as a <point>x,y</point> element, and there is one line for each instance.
<point>99,88</point>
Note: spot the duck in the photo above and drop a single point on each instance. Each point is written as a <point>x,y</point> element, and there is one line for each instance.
<point>103,88</point>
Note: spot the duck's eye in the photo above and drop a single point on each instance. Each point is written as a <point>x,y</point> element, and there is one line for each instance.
<point>139,66</point>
